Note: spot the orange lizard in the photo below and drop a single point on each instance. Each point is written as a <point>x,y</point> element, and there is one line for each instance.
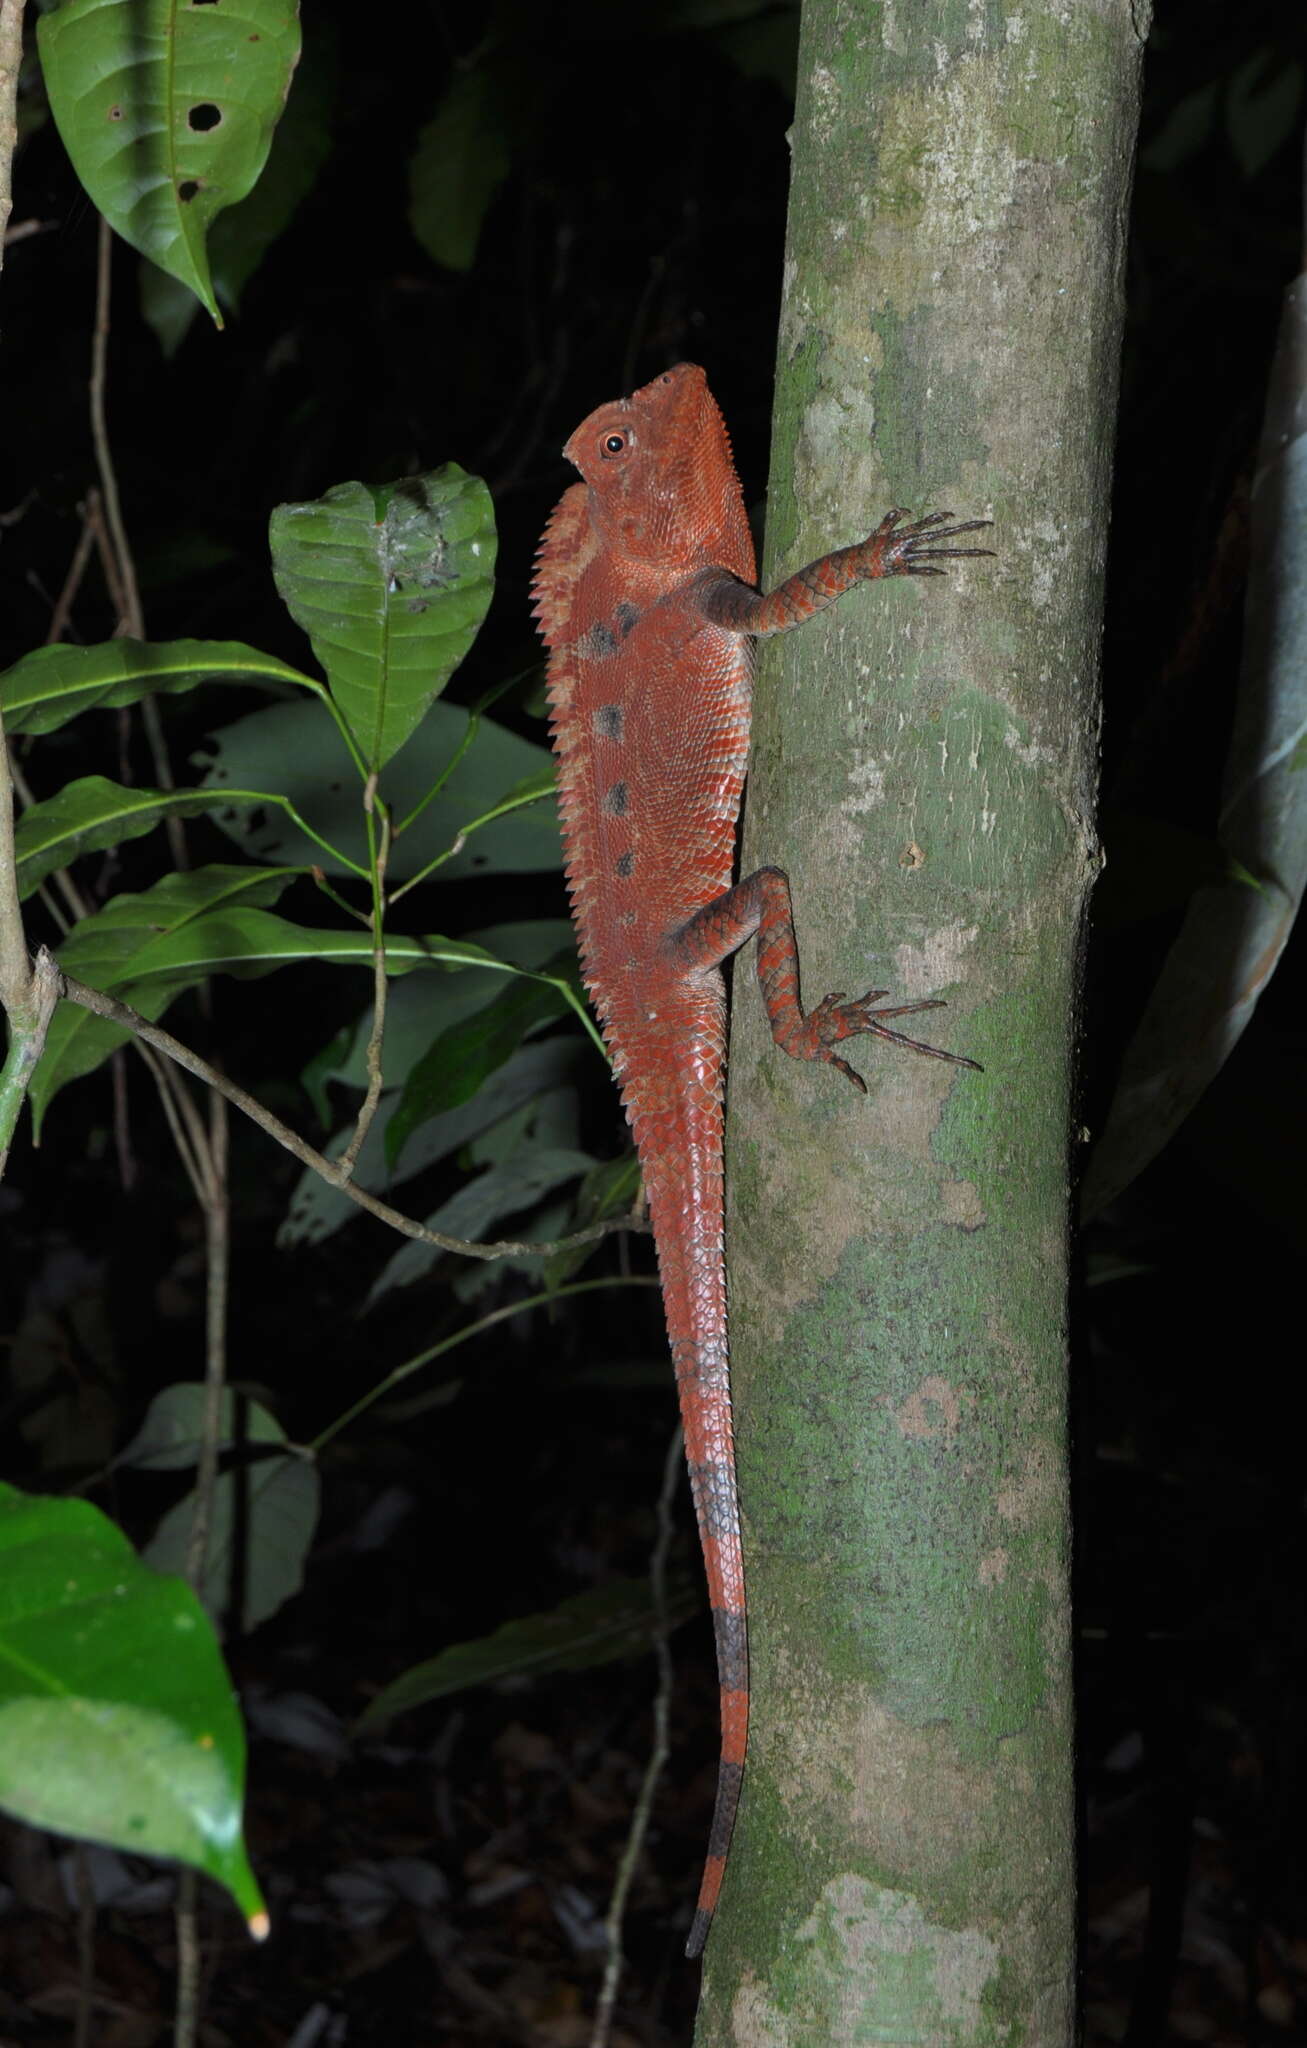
<point>644,595</point>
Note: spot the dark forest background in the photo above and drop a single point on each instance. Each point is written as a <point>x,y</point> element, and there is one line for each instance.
<point>442,1886</point>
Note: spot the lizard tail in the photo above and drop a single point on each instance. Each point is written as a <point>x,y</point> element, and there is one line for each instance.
<point>681,1155</point>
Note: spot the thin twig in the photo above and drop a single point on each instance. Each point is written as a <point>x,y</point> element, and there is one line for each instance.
<point>545,1299</point>
<point>217,1243</point>
<point>72,582</point>
<point>376,1037</point>
<point>23,230</point>
<point>183,1120</point>
<point>102,1005</point>
<point>131,606</point>
<point>187,2015</point>
<point>108,557</point>
<point>131,616</point>
<point>85,1947</point>
<point>68,888</point>
<point>217,1240</point>
<point>660,1748</point>
<point>122,1122</point>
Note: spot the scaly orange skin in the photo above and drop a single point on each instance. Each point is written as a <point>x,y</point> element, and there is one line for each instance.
<point>644,596</point>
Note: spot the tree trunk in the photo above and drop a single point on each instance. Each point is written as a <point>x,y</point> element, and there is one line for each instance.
<point>924,769</point>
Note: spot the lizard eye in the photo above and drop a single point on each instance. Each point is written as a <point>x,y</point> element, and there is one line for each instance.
<point>614,444</point>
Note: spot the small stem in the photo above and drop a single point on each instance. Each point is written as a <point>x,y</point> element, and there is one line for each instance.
<point>132,618</point>
<point>379,857</point>
<point>186,2021</point>
<point>497,1315</point>
<point>85,1947</point>
<point>73,580</point>
<point>217,1244</point>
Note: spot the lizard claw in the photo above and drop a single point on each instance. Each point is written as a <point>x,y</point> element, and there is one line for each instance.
<point>835,1018</point>
<point>911,550</point>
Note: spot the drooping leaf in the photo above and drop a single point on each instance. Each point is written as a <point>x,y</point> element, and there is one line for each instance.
<point>480,1207</point>
<point>167,110</point>
<point>611,1188</point>
<point>53,684</point>
<point>1237,926</point>
<point>117,1719</point>
<point>146,949</point>
<point>590,1628</point>
<point>103,950</point>
<point>291,747</point>
<point>461,159</point>
<point>242,236</point>
<point>461,1056</point>
<point>1263,108</point>
<point>391,586</point>
<point>279,1495</point>
<point>414,1014</point>
<point>316,1209</point>
<point>87,816</point>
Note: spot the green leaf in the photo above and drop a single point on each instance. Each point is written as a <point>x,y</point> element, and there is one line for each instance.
<point>117,1719</point>
<point>1186,131</point>
<point>87,816</point>
<point>460,161</point>
<point>481,1205</point>
<point>1237,925</point>
<point>123,951</point>
<point>414,1013</point>
<point>104,950</point>
<point>167,111</point>
<point>291,747</point>
<point>612,1188</point>
<point>594,1627</point>
<point>459,1058</point>
<point>279,1496</point>
<point>242,236</point>
<point>1262,108</point>
<point>316,1209</point>
<point>391,585</point>
<point>53,684</point>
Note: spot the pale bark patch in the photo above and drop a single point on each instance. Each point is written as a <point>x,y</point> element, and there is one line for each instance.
<point>876,1969</point>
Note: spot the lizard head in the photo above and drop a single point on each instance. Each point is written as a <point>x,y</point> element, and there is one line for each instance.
<point>662,484</point>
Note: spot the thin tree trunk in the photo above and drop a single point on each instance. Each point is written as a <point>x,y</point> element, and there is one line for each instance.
<point>924,768</point>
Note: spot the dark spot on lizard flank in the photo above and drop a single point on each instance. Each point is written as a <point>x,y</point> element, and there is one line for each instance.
<point>615,800</point>
<point>626,865</point>
<point>626,615</point>
<point>596,642</point>
<point>608,721</point>
<point>627,917</point>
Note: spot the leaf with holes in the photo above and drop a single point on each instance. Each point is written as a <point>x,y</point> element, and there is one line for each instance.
<point>243,235</point>
<point>391,585</point>
<point>167,111</point>
<point>117,1719</point>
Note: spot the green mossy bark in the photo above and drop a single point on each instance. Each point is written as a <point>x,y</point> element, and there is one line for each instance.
<point>924,768</point>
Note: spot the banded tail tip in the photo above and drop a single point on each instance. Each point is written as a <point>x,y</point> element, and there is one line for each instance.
<point>699,1926</point>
